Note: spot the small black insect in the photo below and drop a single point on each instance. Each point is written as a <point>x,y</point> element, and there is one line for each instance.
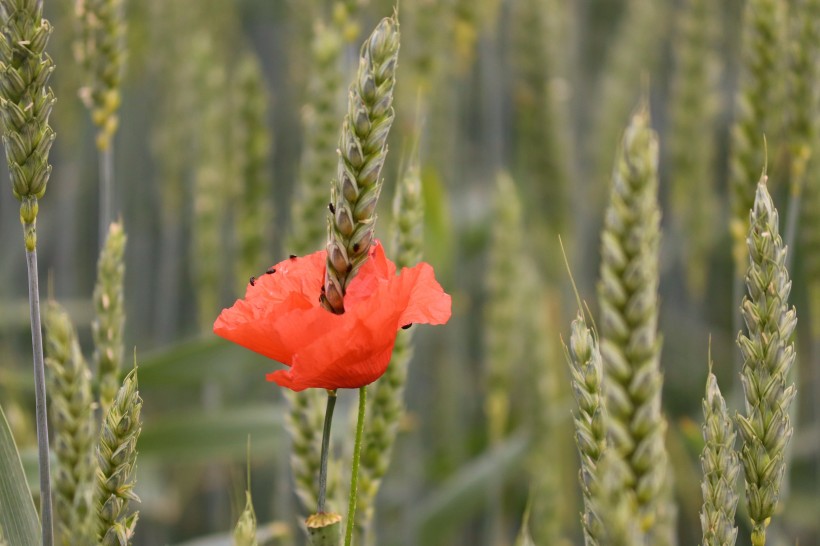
<point>331,208</point>
<point>292,256</point>
<point>349,268</point>
<point>253,281</point>
<point>355,247</point>
<point>270,271</point>
<point>406,326</point>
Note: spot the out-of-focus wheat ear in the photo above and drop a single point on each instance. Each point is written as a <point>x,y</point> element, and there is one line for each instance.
<point>630,59</point>
<point>362,151</point>
<point>630,343</point>
<point>244,533</point>
<point>253,149</point>
<point>721,467</point>
<point>768,354</point>
<point>758,101</point>
<point>615,503</point>
<point>471,18</point>
<point>320,118</point>
<point>504,302</point>
<point>540,128</point>
<point>503,332</point>
<point>693,108</point>
<point>109,321</point>
<point>100,49</point>
<point>803,124</point>
<point>586,368</point>
<point>211,177</point>
<point>116,461</point>
<point>72,416</point>
<point>387,394</point>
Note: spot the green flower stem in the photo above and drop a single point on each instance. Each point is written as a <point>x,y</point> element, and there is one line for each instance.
<point>331,403</point>
<point>46,513</point>
<point>354,476</point>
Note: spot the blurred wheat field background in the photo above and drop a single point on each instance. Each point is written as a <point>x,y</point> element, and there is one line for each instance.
<point>509,124</point>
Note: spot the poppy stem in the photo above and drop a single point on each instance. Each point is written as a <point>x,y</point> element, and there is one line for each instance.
<point>354,477</point>
<point>331,403</point>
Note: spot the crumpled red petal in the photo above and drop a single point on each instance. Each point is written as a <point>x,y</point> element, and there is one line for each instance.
<point>281,318</point>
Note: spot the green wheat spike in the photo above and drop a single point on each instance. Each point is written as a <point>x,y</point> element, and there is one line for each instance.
<point>584,357</point>
<point>72,416</point>
<point>387,394</point>
<point>768,354</point>
<point>630,344</point>
<point>244,533</point>
<point>721,467</point>
<point>116,472</point>
<point>109,322</point>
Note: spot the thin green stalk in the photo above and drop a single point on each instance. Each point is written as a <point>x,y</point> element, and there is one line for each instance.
<point>354,476</point>
<point>106,159</point>
<point>331,403</point>
<point>46,513</point>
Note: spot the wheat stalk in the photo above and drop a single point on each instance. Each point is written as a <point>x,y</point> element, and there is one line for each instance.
<point>768,355</point>
<point>72,415</point>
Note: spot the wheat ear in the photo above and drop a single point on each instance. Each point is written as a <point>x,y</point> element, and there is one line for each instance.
<point>630,344</point>
<point>72,416</point>
<point>109,306</point>
<point>362,150</point>
<point>721,467</point>
<point>116,459</point>
<point>584,357</point>
<point>768,355</point>
<point>387,394</point>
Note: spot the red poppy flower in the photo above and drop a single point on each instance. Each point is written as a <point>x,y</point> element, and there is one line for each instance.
<point>281,318</point>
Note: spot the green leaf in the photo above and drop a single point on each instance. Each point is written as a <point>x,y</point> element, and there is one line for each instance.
<point>18,516</point>
<point>193,361</point>
<point>200,435</point>
<point>460,496</point>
